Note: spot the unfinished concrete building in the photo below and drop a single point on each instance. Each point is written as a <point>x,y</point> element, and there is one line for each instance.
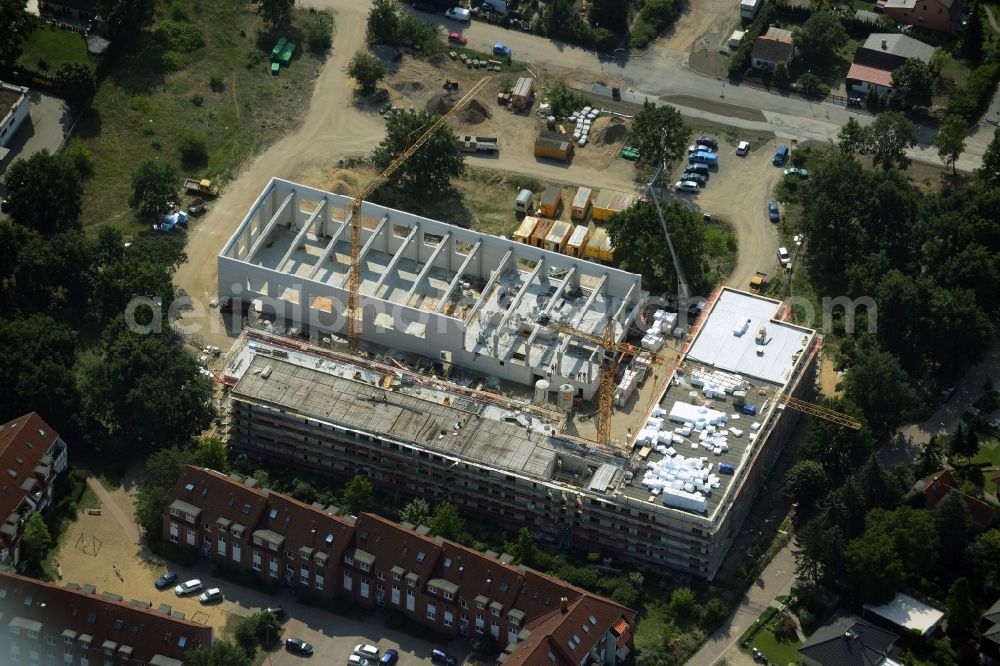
<point>717,428</point>
<point>457,296</point>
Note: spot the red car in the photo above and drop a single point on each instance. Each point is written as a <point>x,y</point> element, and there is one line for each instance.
<point>456,37</point>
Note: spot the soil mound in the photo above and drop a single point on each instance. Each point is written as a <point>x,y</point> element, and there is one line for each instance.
<point>473,114</point>
<point>615,132</point>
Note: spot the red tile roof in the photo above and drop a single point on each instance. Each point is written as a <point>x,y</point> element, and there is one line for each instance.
<point>23,443</point>
<point>936,487</point>
<point>873,75</point>
<point>146,631</point>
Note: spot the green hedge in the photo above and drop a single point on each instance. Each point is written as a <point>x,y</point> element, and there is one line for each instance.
<point>758,626</point>
<point>182,555</point>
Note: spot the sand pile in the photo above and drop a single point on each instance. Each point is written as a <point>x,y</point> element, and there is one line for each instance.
<point>615,132</point>
<point>473,114</point>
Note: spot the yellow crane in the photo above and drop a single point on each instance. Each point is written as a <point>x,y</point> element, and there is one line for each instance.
<point>353,316</point>
<point>606,342</point>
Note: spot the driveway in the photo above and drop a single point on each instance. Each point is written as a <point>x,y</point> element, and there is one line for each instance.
<point>48,124</point>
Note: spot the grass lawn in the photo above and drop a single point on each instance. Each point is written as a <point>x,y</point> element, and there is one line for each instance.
<point>776,651</point>
<point>653,626</point>
<point>989,452</point>
<point>47,48</point>
<point>222,92</point>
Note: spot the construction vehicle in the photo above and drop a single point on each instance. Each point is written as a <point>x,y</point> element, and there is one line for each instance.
<point>758,283</point>
<point>354,216</point>
<point>203,187</point>
<point>478,144</point>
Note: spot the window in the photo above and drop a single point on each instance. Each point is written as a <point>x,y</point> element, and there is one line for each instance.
<point>348,560</point>
<point>91,618</point>
<point>432,611</point>
<point>395,576</point>
<point>380,575</point>
<point>256,561</point>
<point>348,580</point>
<point>364,566</point>
<point>421,556</point>
<point>257,541</point>
<point>319,582</point>
<point>448,595</point>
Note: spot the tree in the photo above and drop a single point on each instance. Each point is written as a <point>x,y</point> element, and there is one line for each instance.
<point>807,483</point>
<point>782,78</point>
<point>839,450</point>
<point>126,18</point>
<point>973,37</point>
<point>714,614</point>
<point>659,133</point>
<point>950,140</point>
<point>985,554</point>
<point>445,522</point>
<point>878,385</point>
<point>211,452</point>
<point>878,488</point>
<point>610,14</point>
<point>44,193</point>
<point>36,539</point>
<point>146,270</point>
<point>819,547</point>
<point>641,245</point>
<point>75,82</point>
<point>851,138</point>
<point>163,468</point>
<point>219,653</point>
<point>954,527</point>
<point>429,171</point>
<point>383,22</point>
<point>153,185</point>
<point>989,172</point>
<point>367,70</point>
<point>525,548</point>
<point>193,150</point>
<point>261,629</point>
<point>819,38</point>
<point>875,572</point>
<point>888,137</point>
<point>15,25</point>
<point>913,535</point>
<point>682,601</point>
<point>416,512</point>
<point>962,618</point>
<point>359,495</point>
<point>912,84</point>
<point>930,457</point>
<point>276,13</point>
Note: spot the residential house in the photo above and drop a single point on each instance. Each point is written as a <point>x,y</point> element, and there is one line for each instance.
<point>937,486</point>
<point>905,612</point>
<point>849,641</point>
<point>879,57</point>
<point>31,456</point>
<point>48,624</point>
<point>375,562</point>
<point>81,10</point>
<point>989,629</point>
<point>772,48</point>
<point>936,15</point>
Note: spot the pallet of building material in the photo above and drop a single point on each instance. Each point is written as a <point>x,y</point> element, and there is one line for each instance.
<point>452,55</point>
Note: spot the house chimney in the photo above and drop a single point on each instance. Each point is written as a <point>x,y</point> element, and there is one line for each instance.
<point>563,605</point>
<point>885,44</point>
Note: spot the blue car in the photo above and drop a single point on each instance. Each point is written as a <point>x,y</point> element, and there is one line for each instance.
<point>166,580</point>
<point>389,658</point>
<point>780,156</point>
<point>501,50</point>
<point>772,211</point>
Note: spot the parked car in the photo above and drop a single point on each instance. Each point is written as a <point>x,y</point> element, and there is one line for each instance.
<point>772,211</point>
<point>694,176</point>
<point>686,186</point>
<point>298,646</point>
<point>389,658</point>
<point>458,38</point>
<point>698,167</point>
<point>780,156</point>
<point>796,171</point>
<point>358,660</point>
<point>210,595</point>
<point>366,651</point>
<point>189,587</point>
<point>501,50</point>
<point>783,257</point>
<point>742,148</point>
<point>277,611</point>
<point>166,580</point>
<point>458,14</point>
<point>698,148</point>
<point>439,656</point>
<point>708,140</point>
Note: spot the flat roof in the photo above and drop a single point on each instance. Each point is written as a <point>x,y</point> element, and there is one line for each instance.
<point>717,344</point>
<point>905,611</point>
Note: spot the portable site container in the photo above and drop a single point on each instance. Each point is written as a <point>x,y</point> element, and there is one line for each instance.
<point>576,246</point>
<point>554,147</point>
<point>521,96</point>
<point>609,202</point>
<point>599,246</point>
<point>541,232</point>
<point>581,203</point>
<point>523,233</point>
<point>551,201</point>
<point>558,236</point>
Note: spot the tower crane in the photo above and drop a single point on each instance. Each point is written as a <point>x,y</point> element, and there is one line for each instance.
<point>353,316</point>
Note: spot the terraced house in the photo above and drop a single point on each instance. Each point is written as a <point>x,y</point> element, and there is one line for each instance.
<point>375,562</point>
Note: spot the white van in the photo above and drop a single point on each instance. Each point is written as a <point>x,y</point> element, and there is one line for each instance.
<point>525,202</point>
<point>458,14</point>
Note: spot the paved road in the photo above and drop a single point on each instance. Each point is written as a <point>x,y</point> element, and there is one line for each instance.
<point>775,580</point>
